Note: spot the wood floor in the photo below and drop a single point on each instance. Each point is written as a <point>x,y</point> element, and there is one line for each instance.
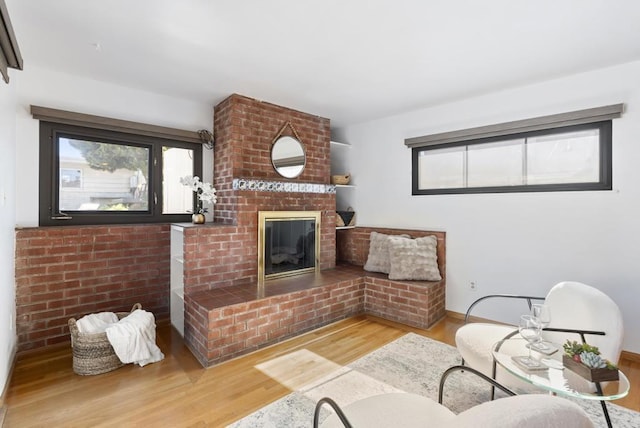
<point>178,392</point>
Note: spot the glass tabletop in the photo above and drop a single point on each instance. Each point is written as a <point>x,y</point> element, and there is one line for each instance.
<point>556,378</point>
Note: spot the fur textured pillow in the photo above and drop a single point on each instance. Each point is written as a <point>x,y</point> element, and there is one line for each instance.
<point>414,259</point>
<point>378,259</point>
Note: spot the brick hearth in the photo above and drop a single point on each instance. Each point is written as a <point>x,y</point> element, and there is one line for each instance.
<point>238,319</point>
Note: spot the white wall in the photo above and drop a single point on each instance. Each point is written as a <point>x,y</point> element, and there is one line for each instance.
<point>62,91</point>
<point>520,243</point>
<point>7,221</point>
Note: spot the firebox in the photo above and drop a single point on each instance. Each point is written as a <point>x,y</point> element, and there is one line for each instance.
<point>288,243</point>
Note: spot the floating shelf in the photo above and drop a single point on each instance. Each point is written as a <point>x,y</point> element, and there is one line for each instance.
<point>336,143</point>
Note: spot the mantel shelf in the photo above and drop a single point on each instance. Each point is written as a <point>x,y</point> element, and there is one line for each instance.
<point>345,227</point>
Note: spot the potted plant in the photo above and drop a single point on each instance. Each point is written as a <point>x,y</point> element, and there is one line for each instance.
<point>586,361</point>
<point>205,193</point>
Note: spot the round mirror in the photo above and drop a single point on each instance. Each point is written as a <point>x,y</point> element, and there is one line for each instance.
<point>287,157</point>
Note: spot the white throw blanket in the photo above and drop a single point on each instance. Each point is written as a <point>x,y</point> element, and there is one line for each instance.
<point>134,338</point>
<point>96,323</point>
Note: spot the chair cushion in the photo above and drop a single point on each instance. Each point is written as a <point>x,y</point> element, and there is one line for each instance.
<point>393,410</point>
<point>475,343</point>
<point>524,411</point>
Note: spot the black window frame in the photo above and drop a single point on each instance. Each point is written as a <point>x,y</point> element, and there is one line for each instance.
<point>605,147</point>
<point>49,212</point>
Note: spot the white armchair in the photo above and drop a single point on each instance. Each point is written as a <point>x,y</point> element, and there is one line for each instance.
<point>578,312</point>
<point>411,410</point>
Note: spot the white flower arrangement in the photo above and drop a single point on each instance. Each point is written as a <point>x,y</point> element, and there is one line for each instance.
<point>205,191</point>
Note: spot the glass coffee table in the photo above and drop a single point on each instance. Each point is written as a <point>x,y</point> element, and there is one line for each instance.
<point>555,378</point>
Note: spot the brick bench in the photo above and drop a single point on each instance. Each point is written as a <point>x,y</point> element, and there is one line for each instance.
<point>223,323</point>
<point>415,303</point>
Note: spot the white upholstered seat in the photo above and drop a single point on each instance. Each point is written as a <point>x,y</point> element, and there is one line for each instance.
<point>411,410</point>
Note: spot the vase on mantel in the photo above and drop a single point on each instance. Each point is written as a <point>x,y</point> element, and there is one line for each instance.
<point>197,218</point>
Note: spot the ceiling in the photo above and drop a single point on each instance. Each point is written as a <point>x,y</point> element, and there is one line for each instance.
<point>349,61</point>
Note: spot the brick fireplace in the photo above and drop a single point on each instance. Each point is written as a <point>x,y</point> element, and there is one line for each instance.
<point>224,253</point>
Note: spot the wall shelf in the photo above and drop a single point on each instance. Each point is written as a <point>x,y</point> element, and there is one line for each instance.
<point>176,298</point>
<point>339,144</point>
<point>341,159</point>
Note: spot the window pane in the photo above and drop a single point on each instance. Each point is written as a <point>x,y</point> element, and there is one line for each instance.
<point>441,168</point>
<point>176,163</point>
<point>70,178</point>
<point>495,164</point>
<point>98,176</point>
<point>572,157</point>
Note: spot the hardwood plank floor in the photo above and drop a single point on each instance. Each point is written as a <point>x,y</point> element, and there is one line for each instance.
<point>178,392</point>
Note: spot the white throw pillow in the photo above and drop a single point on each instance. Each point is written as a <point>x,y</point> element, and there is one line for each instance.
<point>378,259</point>
<point>414,259</point>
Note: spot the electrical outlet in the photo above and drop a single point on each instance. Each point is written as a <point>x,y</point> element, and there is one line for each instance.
<point>473,286</point>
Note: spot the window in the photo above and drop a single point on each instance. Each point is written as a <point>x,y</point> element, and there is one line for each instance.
<point>96,176</point>
<point>576,157</point>
<point>569,158</point>
<point>559,152</point>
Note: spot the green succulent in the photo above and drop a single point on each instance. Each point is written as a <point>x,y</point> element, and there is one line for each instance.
<point>571,348</point>
<point>592,360</point>
<point>587,355</point>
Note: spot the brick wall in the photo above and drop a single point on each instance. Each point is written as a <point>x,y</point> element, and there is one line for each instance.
<point>230,331</point>
<point>415,303</point>
<point>65,272</point>
<point>244,130</point>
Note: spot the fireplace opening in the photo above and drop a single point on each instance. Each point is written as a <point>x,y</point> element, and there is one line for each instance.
<point>287,243</point>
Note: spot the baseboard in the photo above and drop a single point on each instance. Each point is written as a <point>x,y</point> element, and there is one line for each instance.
<point>459,316</point>
<point>35,351</point>
<point>624,355</point>
<point>12,359</point>
<point>630,356</point>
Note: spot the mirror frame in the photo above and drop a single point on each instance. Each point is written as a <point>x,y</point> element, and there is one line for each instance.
<point>297,160</point>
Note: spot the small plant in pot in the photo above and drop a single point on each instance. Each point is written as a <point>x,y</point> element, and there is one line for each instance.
<point>205,192</point>
<point>585,360</point>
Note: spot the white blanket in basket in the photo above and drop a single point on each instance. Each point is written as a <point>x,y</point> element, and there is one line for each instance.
<point>96,323</point>
<point>134,338</point>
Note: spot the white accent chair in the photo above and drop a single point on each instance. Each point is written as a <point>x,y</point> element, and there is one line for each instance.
<point>410,410</point>
<point>574,308</point>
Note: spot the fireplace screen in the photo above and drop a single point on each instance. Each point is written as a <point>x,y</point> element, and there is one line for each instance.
<point>287,243</point>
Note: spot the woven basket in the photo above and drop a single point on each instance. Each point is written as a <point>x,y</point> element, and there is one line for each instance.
<point>340,179</point>
<point>92,353</point>
<point>346,218</point>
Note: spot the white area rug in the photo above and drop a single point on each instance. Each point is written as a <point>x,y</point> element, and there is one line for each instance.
<point>412,363</point>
